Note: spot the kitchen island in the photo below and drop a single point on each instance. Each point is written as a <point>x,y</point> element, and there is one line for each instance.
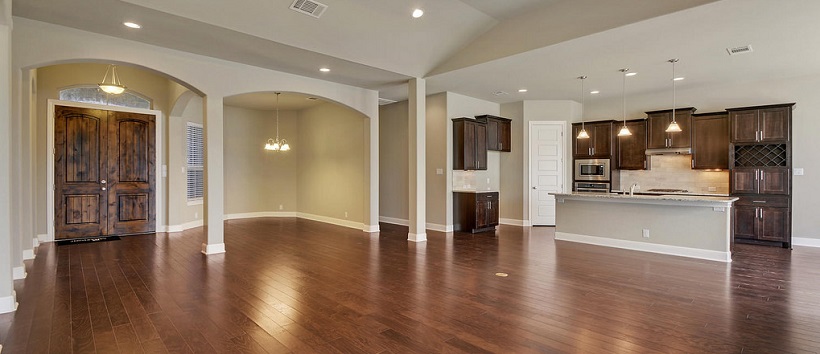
<point>681,225</point>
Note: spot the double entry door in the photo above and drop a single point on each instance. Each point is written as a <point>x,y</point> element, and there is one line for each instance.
<point>104,172</point>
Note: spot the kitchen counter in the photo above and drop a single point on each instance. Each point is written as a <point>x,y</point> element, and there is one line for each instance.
<point>693,226</point>
<point>472,191</point>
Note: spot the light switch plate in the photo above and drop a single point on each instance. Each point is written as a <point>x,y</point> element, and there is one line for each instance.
<point>439,171</point>
<point>798,171</point>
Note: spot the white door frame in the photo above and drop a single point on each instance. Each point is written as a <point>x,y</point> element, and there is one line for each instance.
<point>528,179</point>
<point>158,140</point>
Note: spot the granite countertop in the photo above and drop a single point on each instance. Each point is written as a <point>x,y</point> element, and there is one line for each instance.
<point>705,194</point>
<point>472,191</point>
<point>665,199</point>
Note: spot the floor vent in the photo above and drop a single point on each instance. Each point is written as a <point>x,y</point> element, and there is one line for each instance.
<point>739,50</point>
<point>309,7</point>
<point>384,101</point>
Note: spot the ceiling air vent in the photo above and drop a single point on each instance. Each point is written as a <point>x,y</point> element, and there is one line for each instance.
<point>384,101</point>
<point>740,50</point>
<point>309,7</point>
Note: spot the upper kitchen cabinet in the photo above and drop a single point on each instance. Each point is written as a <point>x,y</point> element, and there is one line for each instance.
<point>498,132</point>
<point>658,121</point>
<point>762,124</point>
<point>469,144</point>
<point>710,141</point>
<point>600,142</point>
<point>632,149</point>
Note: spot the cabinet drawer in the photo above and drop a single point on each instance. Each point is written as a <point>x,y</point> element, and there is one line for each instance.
<point>761,201</point>
<point>490,196</point>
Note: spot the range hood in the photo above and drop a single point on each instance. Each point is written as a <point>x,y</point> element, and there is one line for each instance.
<point>669,151</point>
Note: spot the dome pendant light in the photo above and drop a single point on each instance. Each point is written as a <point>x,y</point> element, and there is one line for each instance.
<point>113,86</point>
<point>276,144</point>
<point>624,129</point>
<point>583,133</point>
<point>673,127</point>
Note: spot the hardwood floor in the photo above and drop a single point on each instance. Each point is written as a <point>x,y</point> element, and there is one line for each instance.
<point>288,285</point>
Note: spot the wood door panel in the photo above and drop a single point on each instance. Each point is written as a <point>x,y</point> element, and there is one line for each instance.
<point>133,207</point>
<point>774,224</point>
<point>745,222</point>
<point>774,124</point>
<point>79,167</point>
<point>744,180</point>
<point>743,126</point>
<point>133,148</point>
<point>774,180</point>
<point>632,149</point>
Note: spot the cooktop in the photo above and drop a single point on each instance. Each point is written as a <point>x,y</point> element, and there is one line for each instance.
<point>668,190</point>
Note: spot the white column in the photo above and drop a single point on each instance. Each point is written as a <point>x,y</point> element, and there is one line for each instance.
<point>7,300</point>
<point>416,145</point>
<point>214,208</point>
<point>371,180</point>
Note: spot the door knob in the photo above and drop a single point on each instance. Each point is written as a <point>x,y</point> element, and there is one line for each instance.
<point>534,187</point>
<point>103,181</point>
<point>103,188</point>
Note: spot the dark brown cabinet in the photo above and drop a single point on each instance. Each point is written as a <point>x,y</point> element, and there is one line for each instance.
<point>764,124</point>
<point>632,149</point>
<point>710,141</point>
<point>763,219</point>
<point>475,211</point>
<point>658,121</point>
<point>599,144</point>
<point>469,144</point>
<point>760,180</point>
<point>499,130</point>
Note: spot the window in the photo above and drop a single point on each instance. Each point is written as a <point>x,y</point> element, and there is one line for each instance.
<point>93,94</point>
<point>196,162</point>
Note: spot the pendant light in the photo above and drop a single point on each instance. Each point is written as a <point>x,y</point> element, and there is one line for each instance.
<point>583,133</point>
<point>113,85</point>
<point>276,144</point>
<point>673,127</point>
<point>624,129</point>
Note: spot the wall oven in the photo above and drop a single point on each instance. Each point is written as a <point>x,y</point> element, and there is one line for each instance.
<point>592,170</point>
<point>592,187</point>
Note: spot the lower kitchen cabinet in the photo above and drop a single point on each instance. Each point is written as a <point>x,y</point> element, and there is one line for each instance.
<point>763,219</point>
<point>475,211</point>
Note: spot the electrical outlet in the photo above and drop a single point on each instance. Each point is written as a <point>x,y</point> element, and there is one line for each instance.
<point>439,171</point>
<point>645,233</point>
<point>488,179</point>
<point>281,207</point>
<point>798,171</point>
<point>196,215</point>
<point>713,189</point>
<point>345,215</point>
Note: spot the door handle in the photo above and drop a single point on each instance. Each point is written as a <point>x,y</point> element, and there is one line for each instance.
<point>103,188</point>
<point>534,187</point>
<point>103,181</point>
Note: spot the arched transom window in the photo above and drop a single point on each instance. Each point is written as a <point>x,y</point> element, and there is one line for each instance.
<point>93,94</point>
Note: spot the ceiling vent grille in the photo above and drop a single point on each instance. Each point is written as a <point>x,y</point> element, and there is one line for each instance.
<point>309,7</point>
<point>739,50</point>
<point>384,101</point>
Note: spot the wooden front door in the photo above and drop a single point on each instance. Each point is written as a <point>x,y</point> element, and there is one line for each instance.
<point>104,172</point>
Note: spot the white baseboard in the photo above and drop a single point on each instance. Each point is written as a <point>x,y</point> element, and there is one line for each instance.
<point>8,303</point>
<point>35,242</point>
<point>807,242</point>
<point>371,228</point>
<point>422,237</point>
<point>28,254</point>
<point>261,214</point>
<point>646,247</point>
<point>439,227</point>
<point>329,220</point>
<point>514,222</point>
<point>43,238</point>
<point>18,273</point>
<point>185,226</point>
<point>213,249</point>
<point>394,221</point>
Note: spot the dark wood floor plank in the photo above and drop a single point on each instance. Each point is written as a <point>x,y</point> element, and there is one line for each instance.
<point>291,285</point>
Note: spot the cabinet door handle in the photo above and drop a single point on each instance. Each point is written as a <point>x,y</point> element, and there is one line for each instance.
<point>758,201</point>
<point>693,163</point>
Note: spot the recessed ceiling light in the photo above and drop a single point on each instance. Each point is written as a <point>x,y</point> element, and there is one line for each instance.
<point>418,13</point>
<point>313,98</point>
<point>324,70</point>
<point>678,78</point>
<point>594,92</point>
<point>132,25</point>
<point>631,74</point>
<point>499,93</point>
<point>522,90</point>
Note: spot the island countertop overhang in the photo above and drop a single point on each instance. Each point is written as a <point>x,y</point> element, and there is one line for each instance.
<point>665,199</point>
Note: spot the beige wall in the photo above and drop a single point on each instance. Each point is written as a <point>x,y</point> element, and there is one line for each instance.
<point>180,212</point>
<point>331,156</point>
<point>51,79</point>
<point>512,165</point>
<point>257,180</point>
<point>439,151</point>
<point>393,165</point>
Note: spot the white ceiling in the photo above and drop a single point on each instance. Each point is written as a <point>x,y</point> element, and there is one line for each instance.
<point>474,47</point>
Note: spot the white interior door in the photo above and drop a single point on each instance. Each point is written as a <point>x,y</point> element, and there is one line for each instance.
<point>546,170</point>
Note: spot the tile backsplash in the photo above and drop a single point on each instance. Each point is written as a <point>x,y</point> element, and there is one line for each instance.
<point>674,171</point>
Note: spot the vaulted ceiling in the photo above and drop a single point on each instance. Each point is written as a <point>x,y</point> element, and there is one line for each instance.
<point>472,47</point>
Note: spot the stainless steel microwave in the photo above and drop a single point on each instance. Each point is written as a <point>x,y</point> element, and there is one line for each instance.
<point>592,170</point>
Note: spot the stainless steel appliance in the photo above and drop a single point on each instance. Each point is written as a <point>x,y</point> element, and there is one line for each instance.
<point>592,170</point>
<point>592,187</point>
